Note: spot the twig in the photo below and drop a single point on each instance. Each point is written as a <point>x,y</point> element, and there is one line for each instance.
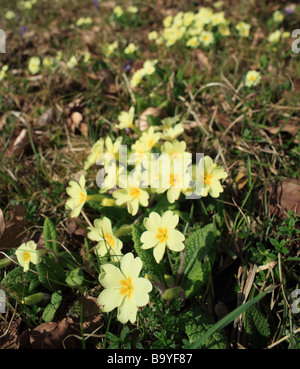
<point>283,339</point>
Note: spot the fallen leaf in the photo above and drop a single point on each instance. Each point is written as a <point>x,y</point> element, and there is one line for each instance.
<point>76,119</point>
<point>2,223</point>
<point>46,117</point>
<point>201,60</point>
<point>75,226</point>
<point>142,123</point>
<point>287,128</point>
<point>54,335</point>
<point>14,229</point>
<point>284,196</point>
<point>90,305</point>
<point>14,338</point>
<point>18,144</point>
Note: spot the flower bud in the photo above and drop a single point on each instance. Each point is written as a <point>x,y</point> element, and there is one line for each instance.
<point>35,298</point>
<point>4,262</point>
<point>152,278</point>
<point>108,202</point>
<point>169,280</point>
<point>172,293</point>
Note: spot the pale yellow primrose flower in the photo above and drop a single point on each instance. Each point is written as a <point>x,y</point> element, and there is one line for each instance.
<point>78,195</point>
<point>153,35</point>
<point>118,11</point>
<point>252,78</point>
<point>178,179</point>
<point>132,9</point>
<point>278,16</point>
<point>137,77</point>
<point>243,29</point>
<point>206,38</point>
<point>161,233</point>
<point>72,62</point>
<point>34,64</point>
<point>110,48</point>
<point>139,152</point>
<point>149,67</point>
<point>218,18</point>
<point>274,37</point>
<point>210,174</point>
<point>171,133</point>
<point>107,241</point>
<point>126,119</point>
<point>192,42</point>
<point>27,253</point>
<point>133,196</point>
<point>168,21</point>
<point>123,288</point>
<point>84,21</point>
<point>114,175</point>
<point>48,62</point>
<point>96,150</point>
<point>3,72</point>
<point>224,30</point>
<point>131,48</point>
<point>175,149</point>
<point>10,15</point>
<point>149,138</point>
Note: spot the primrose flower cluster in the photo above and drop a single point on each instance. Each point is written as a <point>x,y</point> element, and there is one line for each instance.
<point>198,29</point>
<point>157,156</point>
<point>156,163</point>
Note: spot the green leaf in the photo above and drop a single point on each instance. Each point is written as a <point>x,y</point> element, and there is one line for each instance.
<point>195,323</point>
<point>50,234</point>
<point>229,318</point>
<point>50,309</point>
<point>19,282</point>
<point>51,274</point>
<point>257,327</point>
<point>112,212</point>
<point>195,271</point>
<point>75,277</point>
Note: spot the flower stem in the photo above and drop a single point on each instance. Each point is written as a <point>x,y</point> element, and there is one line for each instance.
<point>95,197</point>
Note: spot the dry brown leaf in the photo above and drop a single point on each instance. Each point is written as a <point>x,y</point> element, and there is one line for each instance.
<point>13,339</point>
<point>2,122</point>
<point>284,196</point>
<point>54,335</point>
<point>46,117</point>
<point>2,223</point>
<point>18,144</point>
<point>288,128</point>
<point>14,229</point>
<point>89,305</point>
<point>142,123</point>
<point>202,60</point>
<point>74,228</point>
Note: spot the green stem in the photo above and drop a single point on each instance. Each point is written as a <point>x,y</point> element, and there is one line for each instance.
<point>96,197</point>
<point>126,229</point>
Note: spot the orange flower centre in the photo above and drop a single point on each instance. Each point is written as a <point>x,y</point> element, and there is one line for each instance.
<point>135,193</point>
<point>174,179</point>
<point>82,197</point>
<point>127,288</point>
<point>207,178</point>
<point>162,235</point>
<point>26,256</point>
<point>109,240</point>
